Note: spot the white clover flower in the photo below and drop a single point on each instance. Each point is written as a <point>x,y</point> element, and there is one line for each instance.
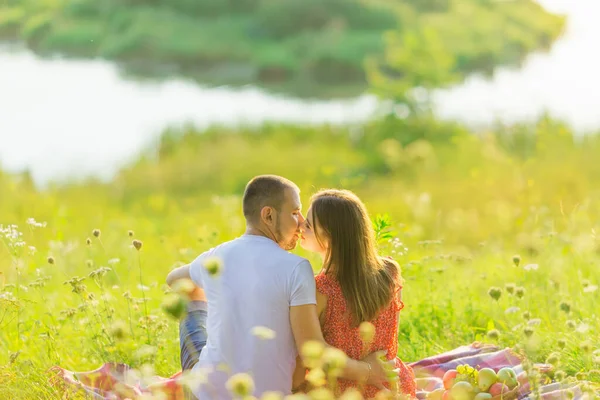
<point>531,267</point>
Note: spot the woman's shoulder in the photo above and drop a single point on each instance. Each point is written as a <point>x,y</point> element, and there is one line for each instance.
<point>326,283</point>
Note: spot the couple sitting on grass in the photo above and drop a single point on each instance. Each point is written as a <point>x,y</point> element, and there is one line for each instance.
<point>263,290</point>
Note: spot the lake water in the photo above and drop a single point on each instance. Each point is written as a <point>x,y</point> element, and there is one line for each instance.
<point>66,118</point>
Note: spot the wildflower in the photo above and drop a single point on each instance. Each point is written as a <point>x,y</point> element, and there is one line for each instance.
<point>581,376</point>
<point>495,293</point>
<point>184,286</point>
<point>560,376</point>
<point>130,233</point>
<point>553,358</point>
<point>566,307</point>
<point>50,260</point>
<point>34,224</point>
<point>562,343</point>
<point>316,377</point>
<point>271,396</point>
<point>213,266</point>
<point>321,394</point>
<point>175,306</point>
<point>520,292</point>
<point>571,324</point>
<point>528,331</point>
<point>526,315</point>
<point>88,241</point>
<point>137,244</point>
<point>510,288</point>
<point>96,232</point>
<point>351,394</point>
<point>493,334</point>
<point>512,310</point>
<point>531,267</point>
<point>118,330</point>
<point>262,332</point>
<point>240,385</point>
<point>516,260</point>
<point>335,360</point>
<point>590,289</point>
<point>312,352</point>
<point>534,322</point>
<point>586,346</point>
<point>144,352</point>
<point>367,332</point>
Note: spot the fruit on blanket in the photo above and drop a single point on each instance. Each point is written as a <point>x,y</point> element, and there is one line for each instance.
<point>446,395</point>
<point>462,391</point>
<point>486,378</point>
<point>449,378</point>
<point>483,396</point>
<point>498,389</point>
<point>437,394</point>
<point>508,377</point>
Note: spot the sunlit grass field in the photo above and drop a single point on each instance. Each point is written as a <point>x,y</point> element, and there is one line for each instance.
<point>498,236</point>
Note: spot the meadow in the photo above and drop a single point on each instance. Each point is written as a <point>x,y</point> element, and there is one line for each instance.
<point>497,233</point>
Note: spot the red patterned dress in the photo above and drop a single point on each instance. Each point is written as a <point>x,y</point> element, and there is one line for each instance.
<point>339,332</point>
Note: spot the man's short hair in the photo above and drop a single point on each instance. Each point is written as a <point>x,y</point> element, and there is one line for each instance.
<point>263,191</point>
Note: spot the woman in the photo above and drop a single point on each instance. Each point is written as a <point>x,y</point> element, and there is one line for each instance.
<point>355,284</point>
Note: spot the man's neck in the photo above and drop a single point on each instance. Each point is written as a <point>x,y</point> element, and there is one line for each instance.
<point>255,231</point>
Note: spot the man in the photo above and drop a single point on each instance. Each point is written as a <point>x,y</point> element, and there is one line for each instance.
<point>261,284</point>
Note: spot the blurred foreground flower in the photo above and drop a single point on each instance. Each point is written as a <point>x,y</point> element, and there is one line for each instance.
<point>175,305</point>
<point>271,396</point>
<point>240,385</point>
<point>311,353</point>
<point>334,360</point>
<point>321,394</point>
<point>184,286</point>
<point>367,332</point>
<point>263,332</point>
<point>316,377</point>
<point>214,266</point>
<point>493,334</point>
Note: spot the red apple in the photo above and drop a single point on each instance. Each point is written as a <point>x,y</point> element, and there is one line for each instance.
<point>449,378</point>
<point>498,389</point>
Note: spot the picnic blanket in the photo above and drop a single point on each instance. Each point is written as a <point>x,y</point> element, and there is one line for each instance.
<point>115,381</point>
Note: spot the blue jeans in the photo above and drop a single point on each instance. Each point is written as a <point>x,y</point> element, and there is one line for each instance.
<point>192,334</point>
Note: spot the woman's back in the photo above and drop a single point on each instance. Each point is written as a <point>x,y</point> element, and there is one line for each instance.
<point>339,331</point>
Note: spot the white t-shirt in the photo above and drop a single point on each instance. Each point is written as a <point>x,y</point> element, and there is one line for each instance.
<point>257,285</point>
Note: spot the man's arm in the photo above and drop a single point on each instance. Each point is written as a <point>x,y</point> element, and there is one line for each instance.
<point>178,273</point>
<point>305,327</point>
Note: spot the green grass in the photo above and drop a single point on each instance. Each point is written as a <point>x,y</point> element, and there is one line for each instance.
<point>461,205</point>
<point>302,47</point>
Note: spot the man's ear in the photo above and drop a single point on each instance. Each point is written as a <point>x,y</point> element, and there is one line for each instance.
<point>267,215</point>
